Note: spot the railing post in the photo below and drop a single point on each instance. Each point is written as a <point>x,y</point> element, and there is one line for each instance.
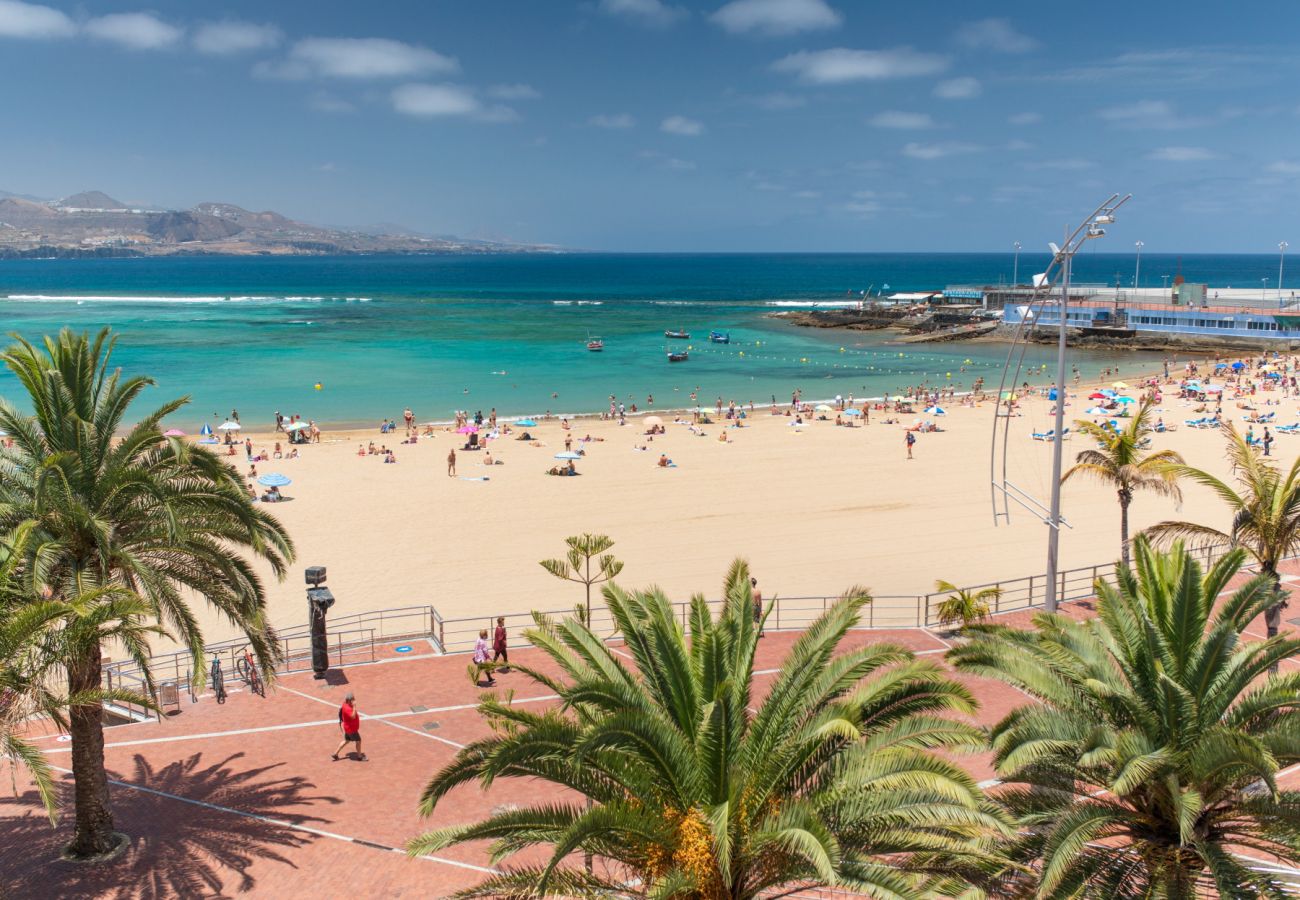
<point>918,611</point>
<point>1061,592</point>
<point>1031,591</point>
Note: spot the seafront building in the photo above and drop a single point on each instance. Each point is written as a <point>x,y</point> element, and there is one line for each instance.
<point>1185,310</point>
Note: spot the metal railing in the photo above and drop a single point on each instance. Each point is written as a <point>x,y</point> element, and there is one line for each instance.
<point>356,638</point>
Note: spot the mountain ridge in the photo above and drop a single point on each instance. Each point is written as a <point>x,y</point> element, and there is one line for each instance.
<point>92,222</point>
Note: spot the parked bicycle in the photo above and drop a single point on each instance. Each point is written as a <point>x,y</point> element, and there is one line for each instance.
<point>218,681</point>
<point>247,668</point>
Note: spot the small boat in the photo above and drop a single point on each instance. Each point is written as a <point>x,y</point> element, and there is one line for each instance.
<point>678,356</point>
<point>719,337</point>
<point>680,335</point>
<point>595,345</point>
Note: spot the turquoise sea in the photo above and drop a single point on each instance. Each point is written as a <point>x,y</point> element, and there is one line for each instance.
<point>440,333</point>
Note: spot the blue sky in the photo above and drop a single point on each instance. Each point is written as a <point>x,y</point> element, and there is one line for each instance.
<point>662,125</point>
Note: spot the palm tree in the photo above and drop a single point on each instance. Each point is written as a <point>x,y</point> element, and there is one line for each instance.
<point>1265,515</point>
<point>124,523</point>
<point>698,790</point>
<point>1151,757</point>
<point>964,605</point>
<point>1122,462</point>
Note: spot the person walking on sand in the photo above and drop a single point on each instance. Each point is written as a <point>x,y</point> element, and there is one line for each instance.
<point>482,662</point>
<point>350,725</point>
<point>911,439</point>
<point>451,462</point>
<point>499,649</point>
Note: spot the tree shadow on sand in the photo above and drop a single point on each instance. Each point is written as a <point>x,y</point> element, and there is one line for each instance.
<point>178,848</point>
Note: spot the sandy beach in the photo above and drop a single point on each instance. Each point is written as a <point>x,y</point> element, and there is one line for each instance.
<point>814,509</point>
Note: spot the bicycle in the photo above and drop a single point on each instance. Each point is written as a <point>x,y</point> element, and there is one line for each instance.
<point>246,665</point>
<point>218,682</point>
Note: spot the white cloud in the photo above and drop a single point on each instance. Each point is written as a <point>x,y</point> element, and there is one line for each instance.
<point>1181,154</point>
<point>807,195</point>
<point>514,92</point>
<point>134,31</point>
<point>433,101</point>
<point>1018,145</point>
<point>776,17</point>
<point>28,20</point>
<point>614,121</point>
<point>654,13</point>
<point>682,126</point>
<point>938,151</point>
<point>963,88</point>
<point>1025,118</point>
<point>1285,167</point>
<point>997,35</point>
<point>1067,164</point>
<point>841,65</point>
<point>1142,109</point>
<point>232,36</point>
<point>901,120</point>
<point>363,58</point>
<point>679,165</point>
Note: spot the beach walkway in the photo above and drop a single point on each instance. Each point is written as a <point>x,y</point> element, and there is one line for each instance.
<point>243,798</point>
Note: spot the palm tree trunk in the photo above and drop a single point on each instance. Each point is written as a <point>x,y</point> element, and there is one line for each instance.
<point>94,818</point>
<point>1273,615</point>
<point>1125,498</point>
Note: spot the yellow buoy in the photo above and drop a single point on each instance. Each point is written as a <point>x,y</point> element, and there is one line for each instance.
<point>319,385</point>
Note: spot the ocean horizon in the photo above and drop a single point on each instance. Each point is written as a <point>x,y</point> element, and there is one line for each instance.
<point>483,331</point>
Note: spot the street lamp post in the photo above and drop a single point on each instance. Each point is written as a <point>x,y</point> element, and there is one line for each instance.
<point>1281,259</point>
<point>1091,228</point>
<point>1015,268</point>
<point>1166,278</point>
<point>1263,287</point>
<point>1137,267</point>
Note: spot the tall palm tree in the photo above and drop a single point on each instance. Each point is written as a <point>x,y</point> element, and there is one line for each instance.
<point>1122,462</point>
<point>125,524</point>
<point>1265,509</point>
<point>701,791</point>
<point>1151,757</point>
<point>964,605</point>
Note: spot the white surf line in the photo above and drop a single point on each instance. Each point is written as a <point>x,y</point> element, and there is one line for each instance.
<point>282,823</point>
<point>235,732</point>
<point>426,734</point>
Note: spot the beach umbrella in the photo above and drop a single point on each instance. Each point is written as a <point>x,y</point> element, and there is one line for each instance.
<point>1096,411</point>
<point>652,420</point>
<point>822,407</point>
<point>297,426</point>
<point>467,429</point>
<point>1096,395</point>
<point>1238,366</point>
<point>1125,400</point>
<point>1220,365</point>
<point>1120,385</point>
<point>526,423</point>
<point>568,454</point>
<point>1213,390</point>
<point>852,412</point>
<point>170,432</point>
<point>228,426</point>
<point>274,479</point>
<point>206,429</point>
<point>936,411</point>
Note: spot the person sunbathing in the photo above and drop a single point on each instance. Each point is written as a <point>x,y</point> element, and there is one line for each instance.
<point>664,461</point>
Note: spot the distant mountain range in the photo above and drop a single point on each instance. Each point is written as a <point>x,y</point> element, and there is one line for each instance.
<point>92,223</point>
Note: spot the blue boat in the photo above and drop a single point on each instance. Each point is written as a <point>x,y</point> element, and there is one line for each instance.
<point>719,337</point>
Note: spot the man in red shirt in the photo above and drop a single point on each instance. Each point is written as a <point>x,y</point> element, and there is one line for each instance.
<point>350,725</point>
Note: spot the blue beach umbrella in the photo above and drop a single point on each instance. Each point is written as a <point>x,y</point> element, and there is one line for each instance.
<point>568,454</point>
<point>526,423</point>
<point>852,412</point>
<point>936,411</point>
<point>1126,400</point>
<point>1238,366</point>
<point>275,479</point>
<point>206,430</point>
<point>1221,365</point>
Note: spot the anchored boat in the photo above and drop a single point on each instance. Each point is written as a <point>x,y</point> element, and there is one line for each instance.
<point>678,356</point>
<point>680,335</point>
<point>719,337</point>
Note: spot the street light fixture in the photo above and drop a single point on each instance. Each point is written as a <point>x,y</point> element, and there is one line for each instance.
<point>1137,267</point>
<point>1015,269</point>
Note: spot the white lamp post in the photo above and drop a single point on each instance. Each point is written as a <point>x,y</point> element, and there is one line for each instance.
<point>1015,269</point>
<point>1281,259</point>
<point>1137,267</point>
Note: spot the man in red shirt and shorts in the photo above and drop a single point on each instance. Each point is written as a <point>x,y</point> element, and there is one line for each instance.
<point>350,725</point>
